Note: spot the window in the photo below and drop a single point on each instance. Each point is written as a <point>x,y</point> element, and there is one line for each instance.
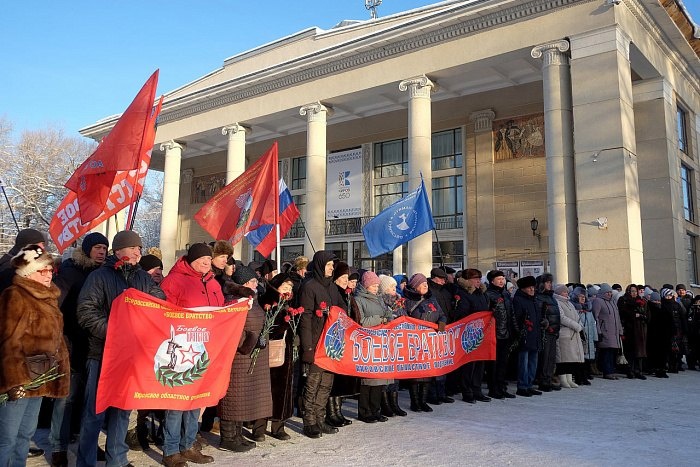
<point>687,190</point>
<point>298,173</point>
<point>339,249</point>
<point>692,259</point>
<point>391,158</point>
<point>447,196</point>
<point>387,194</point>
<point>681,122</point>
<point>447,149</point>
<point>381,263</point>
<point>452,253</point>
<point>297,230</point>
<point>290,252</point>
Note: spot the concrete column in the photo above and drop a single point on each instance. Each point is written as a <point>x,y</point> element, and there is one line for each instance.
<point>605,158</point>
<point>235,163</point>
<point>559,150</point>
<point>663,226</point>
<point>397,259</point>
<point>420,250</point>
<point>315,219</point>
<point>485,200</point>
<point>171,198</point>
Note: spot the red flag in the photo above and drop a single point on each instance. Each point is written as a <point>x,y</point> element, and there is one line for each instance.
<point>161,356</point>
<point>404,348</point>
<point>119,150</point>
<point>245,203</point>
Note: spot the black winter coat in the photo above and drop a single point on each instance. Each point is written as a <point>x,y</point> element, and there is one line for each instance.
<point>427,310</point>
<point>319,289</point>
<point>550,311</point>
<point>527,321</point>
<point>69,280</point>
<point>101,287</point>
<point>443,296</point>
<point>501,305</point>
<point>471,300</point>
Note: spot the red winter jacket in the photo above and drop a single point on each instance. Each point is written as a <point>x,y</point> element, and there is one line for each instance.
<point>187,288</point>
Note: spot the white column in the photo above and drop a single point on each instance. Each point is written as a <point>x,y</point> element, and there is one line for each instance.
<point>420,250</point>
<point>397,259</point>
<point>171,198</point>
<point>235,163</point>
<point>559,150</point>
<point>315,221</point>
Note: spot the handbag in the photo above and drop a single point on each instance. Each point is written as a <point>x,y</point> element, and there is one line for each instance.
<point>40,364</point>
<point>621,360</point>
<point>276,349</point>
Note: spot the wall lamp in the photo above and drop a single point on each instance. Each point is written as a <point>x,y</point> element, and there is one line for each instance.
<point>534,224</point>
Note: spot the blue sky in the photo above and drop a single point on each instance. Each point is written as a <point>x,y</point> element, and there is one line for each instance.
<point>68,64</point>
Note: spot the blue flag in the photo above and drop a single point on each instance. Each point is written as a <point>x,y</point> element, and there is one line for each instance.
<point>401,222</point>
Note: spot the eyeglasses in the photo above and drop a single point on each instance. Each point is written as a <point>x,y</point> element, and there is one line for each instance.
<point>46,272</point>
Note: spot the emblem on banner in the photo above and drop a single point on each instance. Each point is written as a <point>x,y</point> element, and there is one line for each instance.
<point>473,335</point>
<point>183,358</point>
<point>334,343</point>
<point>245,201</point>
<point>403,222</point>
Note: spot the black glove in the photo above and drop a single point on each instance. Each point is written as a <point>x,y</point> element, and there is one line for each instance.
<point>248,344</point>
<point>544,324</point>
<point>441,326</point>
<point>307,356</point>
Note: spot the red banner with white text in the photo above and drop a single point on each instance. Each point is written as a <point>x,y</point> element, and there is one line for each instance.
<point>404,348</point>
<point>160,356</point>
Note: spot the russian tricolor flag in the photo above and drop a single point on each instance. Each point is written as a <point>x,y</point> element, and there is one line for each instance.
<point>263,238</point>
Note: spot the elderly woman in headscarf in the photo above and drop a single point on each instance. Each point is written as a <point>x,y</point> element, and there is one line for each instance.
<point>579,299</point>
<point>569,356</point>
<point>395,303</point>
<point>31,342</point>
<point>609,328</point>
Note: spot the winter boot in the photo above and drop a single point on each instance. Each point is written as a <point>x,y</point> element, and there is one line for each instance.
<point>415,401</point>
<point>232,437</point>
<point>570,380</point>
<point>132,440</point>
<point>59,459</point>
<point>332,409</point>
<point>394,404</point>
<point>386,406</point>
<point>175,460</point>
<point>594,369</point>
<point>208,417</point>
<point>564,381</point>
<point>196,457</point>
<point>339,404</point>
<point>423,397</point>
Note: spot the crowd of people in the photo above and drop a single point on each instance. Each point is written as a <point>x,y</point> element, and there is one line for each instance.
<point>549,336</point>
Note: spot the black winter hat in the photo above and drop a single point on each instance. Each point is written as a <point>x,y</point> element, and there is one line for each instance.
<point>197,251</point>
<point>92,239</point>
<point>527,281</point>
<point>341,267</point>
<point>437,272</point>
<point>29,237</point>
<point>243,274</point>
<point>149,262</point>
<point>267,267</point>
<point>277,281</point>
<point>491,275</point>
<point>126,239</point>
<point>681,286</point>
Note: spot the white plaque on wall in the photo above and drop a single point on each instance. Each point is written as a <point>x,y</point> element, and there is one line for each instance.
<point>344,184</point>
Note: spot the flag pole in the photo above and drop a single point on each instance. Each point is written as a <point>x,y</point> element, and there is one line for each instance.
<point>9,206</point>
<point>132,212</point>
<point>442,260</point>
<point>306,232</point>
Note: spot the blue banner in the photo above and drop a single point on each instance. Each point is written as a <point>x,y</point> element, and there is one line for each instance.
<point>399,223</point>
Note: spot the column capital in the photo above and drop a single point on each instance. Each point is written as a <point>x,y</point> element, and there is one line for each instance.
<point>170,145</point>
<point>234,128</point>
<point>418,86</point>
<point>482,120</point>
<point>552,53</point>
<point>314,110</point>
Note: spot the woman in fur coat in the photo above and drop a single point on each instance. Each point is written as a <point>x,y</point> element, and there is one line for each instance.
<point>31,325</point>
<point>569,355</point>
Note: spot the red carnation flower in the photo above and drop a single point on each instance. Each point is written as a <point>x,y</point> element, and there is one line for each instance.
<point>323,305</point>
<point>319,313</point>
<point>500,300</point>
<point>431,307</point>
<point>267,307</point>
<point>348,291</point>
<point>287,318</point>
<point>457,297</point>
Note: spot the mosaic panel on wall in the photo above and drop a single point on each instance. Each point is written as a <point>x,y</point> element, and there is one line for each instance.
<point>206,186</point>
<point>518,137</point>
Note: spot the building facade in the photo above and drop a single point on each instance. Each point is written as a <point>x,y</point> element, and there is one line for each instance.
<point>552,134</point>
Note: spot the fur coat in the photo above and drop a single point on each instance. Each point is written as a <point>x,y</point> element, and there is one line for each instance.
<point>31,324</point>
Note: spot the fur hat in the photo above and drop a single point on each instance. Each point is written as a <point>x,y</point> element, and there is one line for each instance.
<point>416,280</point>
<point>527,281</point>
<point>196,251</point>
<point>341,267</point>
<point>471,274</point>
<point>243,274</point>
<point>300,262</point>
<point>491,275</point>
<point>221,247</point>
<point>125,239</point>
<point>30,259</point>
<point>560,289</point>
<point>92,239</point>
<point>266,267</point>
<point>149,262</point>
<point>386,282</point>
<point>29,237</point>
<point>277,281</point>
<point>369,279</point>
<point>604,288</point>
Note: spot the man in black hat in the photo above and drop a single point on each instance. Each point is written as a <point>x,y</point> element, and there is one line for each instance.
<point>528,322</point>
<point>502,308</point>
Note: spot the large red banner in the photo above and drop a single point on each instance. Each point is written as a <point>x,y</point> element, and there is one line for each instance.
<point>161,356</point>
<point>404,348</point>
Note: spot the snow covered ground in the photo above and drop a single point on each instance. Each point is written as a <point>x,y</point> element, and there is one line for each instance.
<point>621,423</point>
